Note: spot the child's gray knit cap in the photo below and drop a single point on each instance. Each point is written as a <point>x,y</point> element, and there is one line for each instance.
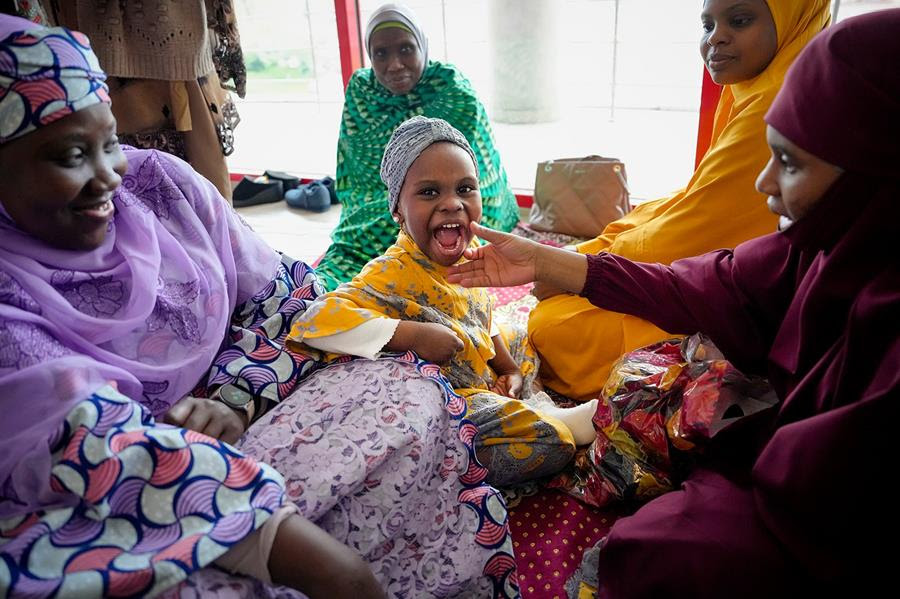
<point>408,141</point>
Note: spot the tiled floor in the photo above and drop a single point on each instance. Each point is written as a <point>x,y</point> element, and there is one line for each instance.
<point>300,234</point>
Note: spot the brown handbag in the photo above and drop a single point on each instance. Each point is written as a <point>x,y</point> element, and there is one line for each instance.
<point>579,196</point>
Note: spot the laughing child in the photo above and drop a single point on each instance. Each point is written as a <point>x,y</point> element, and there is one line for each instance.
<point>402,301</point>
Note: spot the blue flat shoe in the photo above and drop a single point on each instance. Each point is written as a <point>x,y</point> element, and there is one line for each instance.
<point>312,196</point>
<point>328,182</point>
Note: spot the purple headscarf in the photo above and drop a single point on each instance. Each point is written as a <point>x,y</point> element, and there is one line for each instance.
<point>148,310</point>
<point>45,74</point>
<point>852,119</point>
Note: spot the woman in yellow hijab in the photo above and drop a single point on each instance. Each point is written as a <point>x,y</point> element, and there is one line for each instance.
<point>747,46</point>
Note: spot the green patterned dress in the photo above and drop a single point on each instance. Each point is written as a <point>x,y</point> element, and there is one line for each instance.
<point>371,113</point>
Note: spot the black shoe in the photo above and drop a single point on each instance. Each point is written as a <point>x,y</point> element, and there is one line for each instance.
<point>250,193</point>
<point>288,182</point>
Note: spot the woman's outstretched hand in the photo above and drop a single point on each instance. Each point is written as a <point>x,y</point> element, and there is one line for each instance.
<point>505,262</point>
<point>509,260</point>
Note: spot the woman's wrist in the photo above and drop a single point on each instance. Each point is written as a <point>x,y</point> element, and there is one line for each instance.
<point>541,271</point>
<point>560,268</point>
<point>238,400</point>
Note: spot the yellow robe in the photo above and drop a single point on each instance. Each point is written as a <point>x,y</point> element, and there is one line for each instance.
<point>515,442</point>
<point>719,208</point>
<point>404,284</point>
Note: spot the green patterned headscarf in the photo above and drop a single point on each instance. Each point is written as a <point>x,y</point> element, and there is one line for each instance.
<point>371,113</point>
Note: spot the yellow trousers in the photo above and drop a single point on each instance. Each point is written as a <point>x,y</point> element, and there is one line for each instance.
<point>578,343</point>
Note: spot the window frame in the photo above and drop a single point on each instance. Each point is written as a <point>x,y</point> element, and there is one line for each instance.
<point>350,44</point>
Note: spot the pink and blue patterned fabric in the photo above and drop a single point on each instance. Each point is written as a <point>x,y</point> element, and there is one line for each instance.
<point>402,485</point>
<point>257,367</point>
<point>45,74</point>
<point>155,503</point>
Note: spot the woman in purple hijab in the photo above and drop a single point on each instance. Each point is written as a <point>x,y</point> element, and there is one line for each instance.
<point>131,293</point>
<point>792,500</point>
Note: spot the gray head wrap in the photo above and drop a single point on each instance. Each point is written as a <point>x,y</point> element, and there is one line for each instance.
<point>400,14</point>
<point>408,141</point>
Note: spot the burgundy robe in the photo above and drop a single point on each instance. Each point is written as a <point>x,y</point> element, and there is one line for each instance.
<point>792,498</point>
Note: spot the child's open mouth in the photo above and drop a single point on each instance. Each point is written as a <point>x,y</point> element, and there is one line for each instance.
<point>451,240</point>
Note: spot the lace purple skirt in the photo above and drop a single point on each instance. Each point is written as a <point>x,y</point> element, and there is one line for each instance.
<point>380,455</point>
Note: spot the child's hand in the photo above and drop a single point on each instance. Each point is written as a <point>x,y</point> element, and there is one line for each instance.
<point>508,385</point>
<point>435,342</point>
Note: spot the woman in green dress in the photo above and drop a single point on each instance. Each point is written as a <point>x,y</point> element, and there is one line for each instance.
<point>401,83</point>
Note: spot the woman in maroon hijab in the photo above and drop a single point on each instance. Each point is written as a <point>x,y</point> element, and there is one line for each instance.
<point>791,499</point>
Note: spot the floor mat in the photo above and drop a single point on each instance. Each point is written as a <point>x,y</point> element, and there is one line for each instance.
<point>551,531</point>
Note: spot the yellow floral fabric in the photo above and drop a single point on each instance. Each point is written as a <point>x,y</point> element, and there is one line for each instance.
<point>405,284</point>
<point>515,442</point>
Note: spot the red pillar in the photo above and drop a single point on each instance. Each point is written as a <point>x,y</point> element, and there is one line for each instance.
<point>349,39</point>
<point>709,99</point>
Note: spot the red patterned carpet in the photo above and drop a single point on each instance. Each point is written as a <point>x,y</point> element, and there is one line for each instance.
<point>551,531</point>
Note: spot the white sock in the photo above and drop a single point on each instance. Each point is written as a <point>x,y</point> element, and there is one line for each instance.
<point>578,419</point>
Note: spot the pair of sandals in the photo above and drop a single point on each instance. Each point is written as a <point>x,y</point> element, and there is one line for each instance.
<point>274,186</point>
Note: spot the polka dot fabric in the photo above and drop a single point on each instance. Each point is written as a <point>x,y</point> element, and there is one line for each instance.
<point>506,295</point>
<point>551,532</point>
